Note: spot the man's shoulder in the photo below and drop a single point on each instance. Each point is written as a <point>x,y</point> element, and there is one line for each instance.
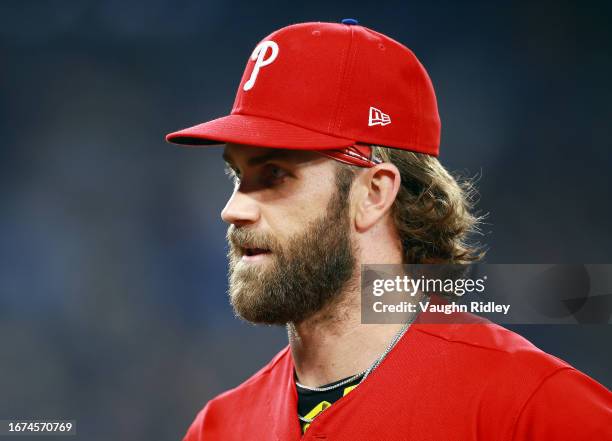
<point>478,338</point>
<point>509,376</point>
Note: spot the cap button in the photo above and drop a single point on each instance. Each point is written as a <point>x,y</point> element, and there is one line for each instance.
<point>349,21</point>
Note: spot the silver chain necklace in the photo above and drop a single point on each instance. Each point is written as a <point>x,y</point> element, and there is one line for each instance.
<point>333,386</point>
<point>365,373</point>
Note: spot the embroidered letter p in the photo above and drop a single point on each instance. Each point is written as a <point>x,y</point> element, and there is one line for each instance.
<point>259,56</point>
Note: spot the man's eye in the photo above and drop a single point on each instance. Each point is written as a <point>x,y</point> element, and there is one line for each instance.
<point>276,173</point>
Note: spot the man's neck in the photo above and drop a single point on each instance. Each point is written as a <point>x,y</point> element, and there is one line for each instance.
<point>334,344</point>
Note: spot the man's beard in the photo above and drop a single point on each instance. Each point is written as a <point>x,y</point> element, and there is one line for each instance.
<point>303,277</point>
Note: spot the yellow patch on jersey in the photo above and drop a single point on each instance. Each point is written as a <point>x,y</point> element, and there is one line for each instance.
<point>322,406</point>
<point>348,389</point>
<point>314,412</point>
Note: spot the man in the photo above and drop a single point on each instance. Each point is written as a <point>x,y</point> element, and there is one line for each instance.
<point>332,145</point>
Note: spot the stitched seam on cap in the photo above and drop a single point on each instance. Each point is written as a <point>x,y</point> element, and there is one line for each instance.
<point>352,56</point>
<point>345,55</point>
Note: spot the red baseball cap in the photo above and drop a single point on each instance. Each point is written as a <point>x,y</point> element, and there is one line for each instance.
<point>331,87</point>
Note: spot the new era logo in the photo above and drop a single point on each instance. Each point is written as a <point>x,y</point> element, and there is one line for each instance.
<point>378,117</point>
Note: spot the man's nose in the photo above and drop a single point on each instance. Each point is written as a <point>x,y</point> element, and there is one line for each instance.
<point>241,209</point>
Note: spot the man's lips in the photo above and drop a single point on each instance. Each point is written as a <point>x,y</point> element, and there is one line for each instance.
<point>253,254</point>
<point>251,251</point>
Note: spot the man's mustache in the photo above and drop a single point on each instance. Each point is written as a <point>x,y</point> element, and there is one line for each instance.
<point>243,237</point>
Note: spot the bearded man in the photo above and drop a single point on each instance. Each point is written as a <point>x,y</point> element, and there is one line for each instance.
<point>332,146</point>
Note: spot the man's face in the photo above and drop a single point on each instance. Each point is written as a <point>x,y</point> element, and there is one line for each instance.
<point>290,248</point>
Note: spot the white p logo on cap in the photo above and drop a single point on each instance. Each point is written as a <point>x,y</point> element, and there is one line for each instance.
<point>258,56</point>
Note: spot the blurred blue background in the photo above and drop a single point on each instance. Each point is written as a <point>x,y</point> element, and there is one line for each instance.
<point>113,308</point>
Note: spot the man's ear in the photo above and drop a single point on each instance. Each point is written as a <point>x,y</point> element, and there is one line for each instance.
<point>375,193</point>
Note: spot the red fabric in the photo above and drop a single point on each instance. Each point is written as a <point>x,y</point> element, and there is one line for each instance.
<point>256,131</point>
<point>327,81</point>
<point>440,383</point>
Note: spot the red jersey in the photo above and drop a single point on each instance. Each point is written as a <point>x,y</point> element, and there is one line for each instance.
<point>451,382</point>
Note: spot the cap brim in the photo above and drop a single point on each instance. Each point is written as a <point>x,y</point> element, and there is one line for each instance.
<point>257,131</point>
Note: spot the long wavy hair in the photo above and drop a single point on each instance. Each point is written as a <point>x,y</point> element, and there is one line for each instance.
<point>433,212</point>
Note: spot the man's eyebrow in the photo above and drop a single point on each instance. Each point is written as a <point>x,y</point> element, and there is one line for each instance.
<point>257,160</point>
